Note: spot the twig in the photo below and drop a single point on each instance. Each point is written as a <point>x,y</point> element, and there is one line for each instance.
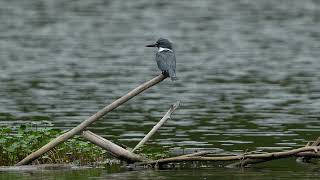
<point>307,159</point>
<point>62,138</point>
<point>157,126</point>
<point>112,148</point>
<point>316,142</point>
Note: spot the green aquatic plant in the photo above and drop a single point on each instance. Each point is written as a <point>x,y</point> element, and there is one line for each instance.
<point>153,152</point>
<point>17,142</point>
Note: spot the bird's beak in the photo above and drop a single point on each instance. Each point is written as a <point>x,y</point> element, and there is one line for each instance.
<point>151,45</point>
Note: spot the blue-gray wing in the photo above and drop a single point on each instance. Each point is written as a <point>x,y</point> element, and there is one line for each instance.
<point>166,61</point>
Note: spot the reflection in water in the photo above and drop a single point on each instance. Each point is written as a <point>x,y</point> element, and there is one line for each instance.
<point>249,71</point>
<point>282,172</point>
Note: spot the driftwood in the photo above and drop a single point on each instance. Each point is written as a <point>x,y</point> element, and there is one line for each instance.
<point>246,162</point>
<point>158,125</point>
<point>78,129</point>
<point>121,153</point>
<point>307,159</point>
<point>310,151</point>
<point>302,157</point>
<point>114,149</point>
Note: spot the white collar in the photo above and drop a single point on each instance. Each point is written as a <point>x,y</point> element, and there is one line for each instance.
<point>164,49</point>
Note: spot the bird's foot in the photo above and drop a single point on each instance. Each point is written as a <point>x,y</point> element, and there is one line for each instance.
<point>165,73</point>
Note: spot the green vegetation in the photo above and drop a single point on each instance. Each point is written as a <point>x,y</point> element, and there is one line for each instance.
<point>153,152</point>
<point>17,143</point>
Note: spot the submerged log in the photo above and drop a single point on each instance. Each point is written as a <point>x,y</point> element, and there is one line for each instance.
<point>78,129</point>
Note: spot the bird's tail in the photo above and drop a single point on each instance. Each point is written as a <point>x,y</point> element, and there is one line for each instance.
<point>172,75</point>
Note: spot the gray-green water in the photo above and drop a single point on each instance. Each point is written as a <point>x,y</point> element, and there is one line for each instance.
<point>248,75</point>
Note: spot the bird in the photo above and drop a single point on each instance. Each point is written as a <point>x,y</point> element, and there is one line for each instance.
<point>165,58</point>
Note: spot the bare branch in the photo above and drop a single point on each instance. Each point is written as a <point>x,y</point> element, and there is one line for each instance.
<point>307,159</point>
<point>158,125</point>
<point>112,148</point>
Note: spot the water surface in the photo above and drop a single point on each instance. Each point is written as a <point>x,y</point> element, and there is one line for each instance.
<point>248,71</point>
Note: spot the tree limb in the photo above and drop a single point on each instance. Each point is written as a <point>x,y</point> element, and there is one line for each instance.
<point>158,125</point>
<point>307,159</point>
<point>112,148</point>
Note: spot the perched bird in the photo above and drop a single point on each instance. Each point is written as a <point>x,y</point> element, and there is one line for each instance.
<point>165,58</point>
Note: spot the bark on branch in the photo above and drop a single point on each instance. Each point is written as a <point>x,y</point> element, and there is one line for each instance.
<point>115,150</point>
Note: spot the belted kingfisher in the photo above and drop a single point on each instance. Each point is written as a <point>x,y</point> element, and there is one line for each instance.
<point>165,58</point>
